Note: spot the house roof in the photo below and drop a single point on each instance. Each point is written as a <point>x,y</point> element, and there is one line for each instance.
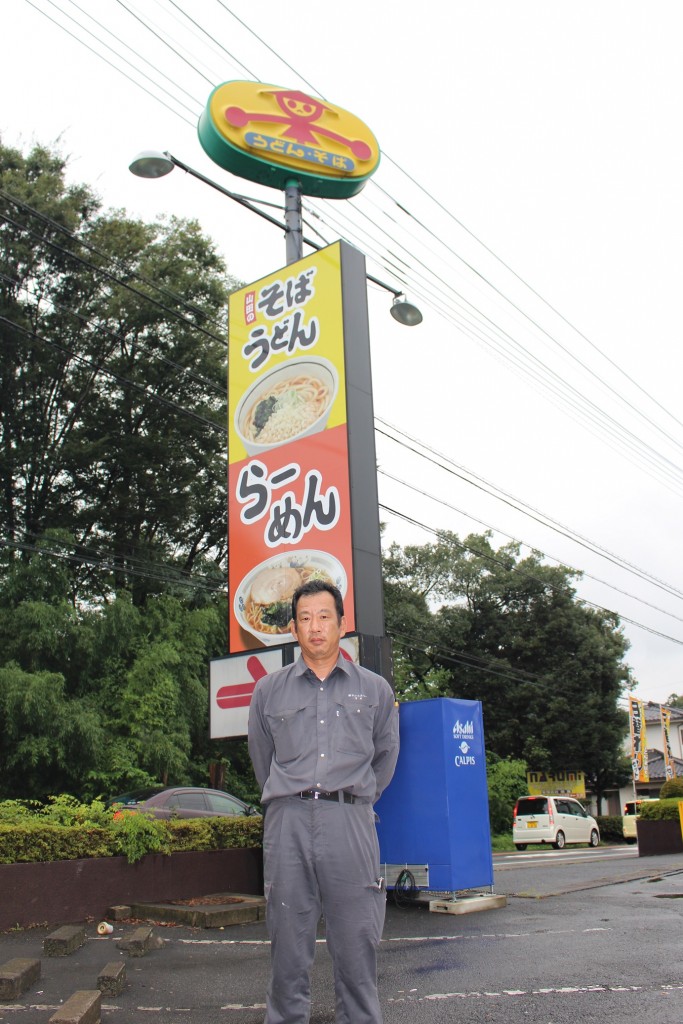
<point>655,765</point>
<point>653,713</point>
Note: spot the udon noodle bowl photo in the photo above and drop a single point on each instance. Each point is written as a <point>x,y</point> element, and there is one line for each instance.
<point>263,603</point>
<point>291,401</point>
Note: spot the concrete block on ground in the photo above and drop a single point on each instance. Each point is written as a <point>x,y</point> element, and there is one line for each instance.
<point>139,943</point>
<point>118,913</point>
<point>467,904</point>
<point>112,978</point>
<point>84,1007</point>
<point>64,940</point>
<point>16,976</point>
<point>215,911</point>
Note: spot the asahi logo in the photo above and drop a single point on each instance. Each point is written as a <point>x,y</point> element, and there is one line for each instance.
<point>464,731</point>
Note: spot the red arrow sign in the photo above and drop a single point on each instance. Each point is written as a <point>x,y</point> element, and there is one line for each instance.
<point>239,694</point>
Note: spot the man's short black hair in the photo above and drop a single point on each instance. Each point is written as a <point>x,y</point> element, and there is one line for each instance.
<point>318,587</point>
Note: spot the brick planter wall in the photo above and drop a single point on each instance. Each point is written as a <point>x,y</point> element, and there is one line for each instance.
<point>655,837</point>
<point>57,892</point>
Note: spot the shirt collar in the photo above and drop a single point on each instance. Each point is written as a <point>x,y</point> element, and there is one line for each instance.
<point>301,668</point>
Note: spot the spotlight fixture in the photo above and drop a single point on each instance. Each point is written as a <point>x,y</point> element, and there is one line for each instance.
<point>151,163</point>
<point>405,312</point>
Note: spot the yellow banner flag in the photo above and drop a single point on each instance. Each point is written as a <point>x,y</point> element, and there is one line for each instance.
<point>669,770</point>
<point>638,740</point>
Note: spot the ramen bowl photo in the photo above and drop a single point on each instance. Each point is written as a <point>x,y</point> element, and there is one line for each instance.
<point>263,600</point>
<point>289,402</point>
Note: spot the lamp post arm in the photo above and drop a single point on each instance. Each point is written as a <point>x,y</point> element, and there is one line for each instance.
<point>294,238</point>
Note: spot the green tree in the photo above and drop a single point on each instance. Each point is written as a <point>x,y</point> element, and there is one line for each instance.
<point>112,386</point>
<point>96,701</point>
<point>112,487</point>
<point>506,779</point>
<point>510,632</point>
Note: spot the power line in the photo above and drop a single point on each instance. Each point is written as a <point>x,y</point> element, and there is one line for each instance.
<point>106,61</point>
<point>121,267</point>
<point>113,564</point>
<point>559,561</point>
<point>119,378</point>
<point>431,455</point>
<point>590,604</point>
<point>449,214</point>
<point>598,412</point>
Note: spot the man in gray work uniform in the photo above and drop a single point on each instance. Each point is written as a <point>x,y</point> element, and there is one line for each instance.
<point>323,739</point>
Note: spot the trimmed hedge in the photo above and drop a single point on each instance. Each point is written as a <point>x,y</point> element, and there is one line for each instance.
<point>37,842</point>
<point>611,828</point>
<point>132,836</point>
<point>659,810</point>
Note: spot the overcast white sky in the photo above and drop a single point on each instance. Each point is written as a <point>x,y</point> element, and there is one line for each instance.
<point>549,132</point>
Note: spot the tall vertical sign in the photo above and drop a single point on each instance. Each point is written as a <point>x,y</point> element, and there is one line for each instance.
<point>302,475</point>
<point>636,714</point>
<point>669,769</point>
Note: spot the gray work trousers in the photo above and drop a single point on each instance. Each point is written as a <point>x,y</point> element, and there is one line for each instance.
<point>322,857</point>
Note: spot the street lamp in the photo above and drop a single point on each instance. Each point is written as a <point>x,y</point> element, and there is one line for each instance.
<point>152,163</point>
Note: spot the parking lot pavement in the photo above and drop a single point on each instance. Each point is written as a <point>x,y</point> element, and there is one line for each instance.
<point>543,873</point>
<point>602,949</point>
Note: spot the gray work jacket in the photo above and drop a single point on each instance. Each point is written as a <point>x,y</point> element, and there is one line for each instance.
<point>341,733</point>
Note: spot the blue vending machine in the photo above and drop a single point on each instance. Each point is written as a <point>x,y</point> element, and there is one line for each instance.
<point>434,815</point>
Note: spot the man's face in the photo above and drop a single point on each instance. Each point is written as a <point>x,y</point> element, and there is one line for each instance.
<point>317,628</point>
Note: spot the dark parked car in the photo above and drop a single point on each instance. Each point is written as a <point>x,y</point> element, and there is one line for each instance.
<point>136,796</point>
<point>187,802</point>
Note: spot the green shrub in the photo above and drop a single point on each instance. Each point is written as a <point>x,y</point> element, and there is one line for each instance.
<point>672,787</point>
<point>192,834</point>
<point>13,812</point>
<point>67,810</point>
<point>139,834</point>
<point>237,833</point>
<point>64,829</point>
<point>659,810</point>
<point>506,779</point>
<point>611,828</point>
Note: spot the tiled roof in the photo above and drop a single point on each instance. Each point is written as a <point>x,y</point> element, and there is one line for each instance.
<point>655,765</point>
<point>653,714</point>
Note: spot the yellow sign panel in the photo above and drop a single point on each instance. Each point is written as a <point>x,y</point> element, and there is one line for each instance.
<point>557,784</point>
<point>639,759</point>
<point>273,135</point>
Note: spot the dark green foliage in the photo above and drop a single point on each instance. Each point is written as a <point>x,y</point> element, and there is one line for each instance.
<point>112,489</point>
<point>506,779</point>
<point>611,828</point>
<point>111,328</point>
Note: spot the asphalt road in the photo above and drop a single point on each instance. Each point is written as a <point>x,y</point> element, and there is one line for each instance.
<point>586,936</point>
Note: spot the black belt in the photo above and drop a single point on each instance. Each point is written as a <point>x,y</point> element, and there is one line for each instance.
<point>323,794</point>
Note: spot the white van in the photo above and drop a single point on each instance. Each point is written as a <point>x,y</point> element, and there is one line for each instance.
<point>557,820</point>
